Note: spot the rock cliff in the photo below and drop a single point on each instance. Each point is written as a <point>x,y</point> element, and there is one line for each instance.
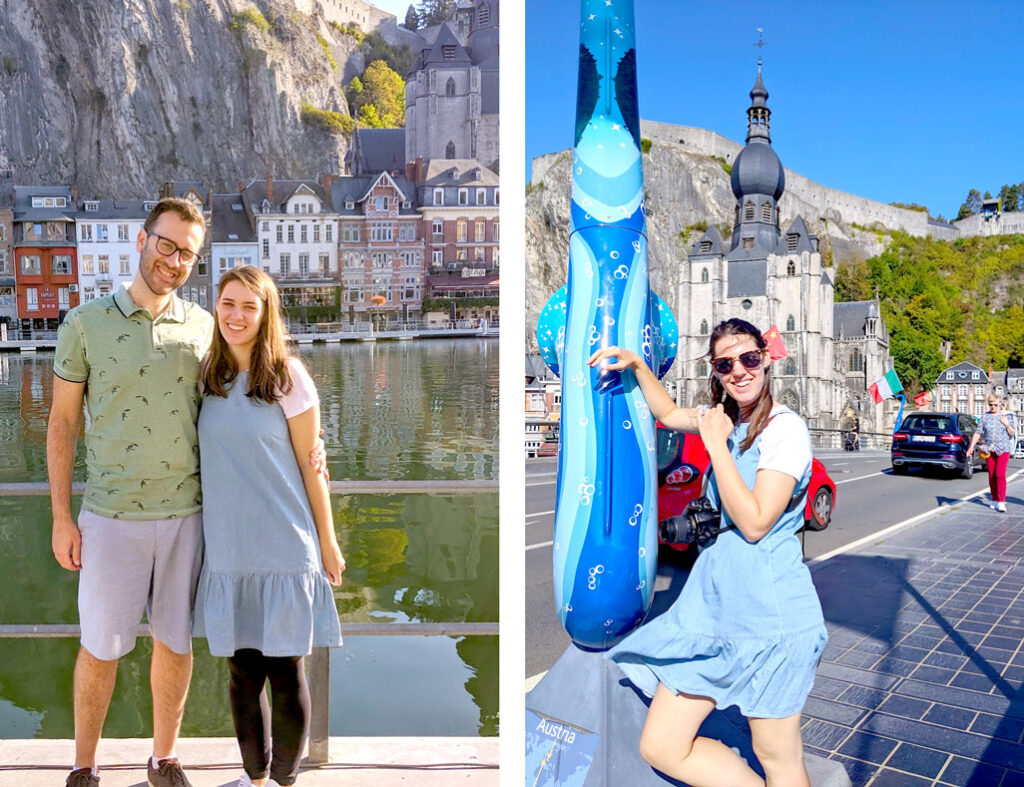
<point>687,188</point>
<point>118,96</point>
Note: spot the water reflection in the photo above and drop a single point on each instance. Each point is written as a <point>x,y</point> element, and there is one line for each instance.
<point>394,411</point>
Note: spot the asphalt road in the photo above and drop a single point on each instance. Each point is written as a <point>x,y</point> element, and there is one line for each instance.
<point>869,498</point>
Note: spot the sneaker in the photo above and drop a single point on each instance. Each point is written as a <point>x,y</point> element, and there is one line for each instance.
<point>994,505</point>
<point>1001,506</point>
<point>168,773</point>
<point>245,781</point>
<point>83,777</point>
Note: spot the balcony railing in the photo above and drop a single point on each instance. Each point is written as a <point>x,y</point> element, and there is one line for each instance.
<point>319,662</point>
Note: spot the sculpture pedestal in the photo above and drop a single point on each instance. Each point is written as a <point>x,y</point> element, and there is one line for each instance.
<point>585,699</point>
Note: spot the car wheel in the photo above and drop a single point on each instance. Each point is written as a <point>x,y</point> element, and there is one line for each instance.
<point>968,471</point>
<point>821,510</point>
<point>900,469</point>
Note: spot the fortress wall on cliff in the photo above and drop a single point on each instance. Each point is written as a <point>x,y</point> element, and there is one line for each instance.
<point>1007,224</point>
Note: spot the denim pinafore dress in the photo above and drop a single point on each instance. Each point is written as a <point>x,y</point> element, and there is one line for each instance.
<point>263,585</point>
<point>747,627</point>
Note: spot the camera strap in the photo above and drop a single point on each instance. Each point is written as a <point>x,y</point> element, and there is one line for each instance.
<point>796,501</point>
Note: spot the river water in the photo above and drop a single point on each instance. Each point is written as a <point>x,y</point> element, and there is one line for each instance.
<point>414,411</point>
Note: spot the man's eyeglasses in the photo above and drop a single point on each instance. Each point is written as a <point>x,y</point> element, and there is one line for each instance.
<point>168,247</point>
<point>751,360</point>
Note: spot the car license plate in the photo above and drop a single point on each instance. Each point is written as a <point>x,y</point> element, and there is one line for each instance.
<point>924,438</point>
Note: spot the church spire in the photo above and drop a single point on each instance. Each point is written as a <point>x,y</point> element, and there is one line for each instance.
<point>758,114</point>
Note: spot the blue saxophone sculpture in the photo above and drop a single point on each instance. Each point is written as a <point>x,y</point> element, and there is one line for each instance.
<point>605,540</point>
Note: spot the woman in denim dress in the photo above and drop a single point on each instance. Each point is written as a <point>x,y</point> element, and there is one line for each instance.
<point>747,628</point>
<point>264,598</point>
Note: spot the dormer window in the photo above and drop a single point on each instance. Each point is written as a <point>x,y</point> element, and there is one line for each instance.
<point>463,196</point>
<point>974,375</point>
<point>148,205</point>
<point>350,204</point>
<point>406,204</point>
<point>91,207</point>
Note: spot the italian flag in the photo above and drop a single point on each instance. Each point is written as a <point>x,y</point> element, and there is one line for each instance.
<point>886,386</point>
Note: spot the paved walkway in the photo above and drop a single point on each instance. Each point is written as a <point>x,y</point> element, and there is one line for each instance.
<point>215,762</point>
<point>921,682</point>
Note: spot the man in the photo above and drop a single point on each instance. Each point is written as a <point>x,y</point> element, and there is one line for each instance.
<point>133,357</point>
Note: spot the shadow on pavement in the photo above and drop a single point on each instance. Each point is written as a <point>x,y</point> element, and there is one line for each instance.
<point>875,596</point>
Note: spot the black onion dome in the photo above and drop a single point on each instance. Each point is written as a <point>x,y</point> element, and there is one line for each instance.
<point>757,170</point>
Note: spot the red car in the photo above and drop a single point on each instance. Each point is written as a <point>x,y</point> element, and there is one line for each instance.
<point>682,461</point>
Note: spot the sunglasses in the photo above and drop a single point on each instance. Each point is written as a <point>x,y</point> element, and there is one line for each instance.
<point>751,360</point>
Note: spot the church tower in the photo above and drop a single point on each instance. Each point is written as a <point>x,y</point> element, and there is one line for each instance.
<point>758,182</point>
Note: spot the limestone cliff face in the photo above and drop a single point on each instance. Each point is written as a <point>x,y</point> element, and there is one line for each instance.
<point>685,186</point>
<point>117,96</point>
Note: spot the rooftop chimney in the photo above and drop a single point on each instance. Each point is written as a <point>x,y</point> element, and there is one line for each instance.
<point>270,188</point>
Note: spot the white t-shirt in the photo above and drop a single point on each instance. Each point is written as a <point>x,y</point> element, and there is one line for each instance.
<point>302,395</point>
<point>785,444</point>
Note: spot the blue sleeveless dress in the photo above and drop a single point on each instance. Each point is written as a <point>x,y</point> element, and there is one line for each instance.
<point>747,628</point>
<point>263,585</point>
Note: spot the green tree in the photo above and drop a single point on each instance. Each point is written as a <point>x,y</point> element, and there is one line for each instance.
<point>1010,196</point>
<point>412,19</point>
<point>434,12</point>
<point>971,205</point>
<point>381,102</point>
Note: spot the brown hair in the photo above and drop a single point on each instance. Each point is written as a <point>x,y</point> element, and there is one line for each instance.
<point>269,378</point>
<point>186,211</point>
<point>763,407</point>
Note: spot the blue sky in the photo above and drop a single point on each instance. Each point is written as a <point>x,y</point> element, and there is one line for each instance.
<point>896,101</point>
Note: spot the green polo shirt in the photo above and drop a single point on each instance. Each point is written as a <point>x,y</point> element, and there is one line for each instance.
<point>142,401</point>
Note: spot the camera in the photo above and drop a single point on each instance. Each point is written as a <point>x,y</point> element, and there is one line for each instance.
<point>698,524</point>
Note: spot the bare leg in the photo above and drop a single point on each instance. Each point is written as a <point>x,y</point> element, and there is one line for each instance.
<point>94,686</point>
<point>169,677</point>
<point>780,749</point>
<point>669,743</point>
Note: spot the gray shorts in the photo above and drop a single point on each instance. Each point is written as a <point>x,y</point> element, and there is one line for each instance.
<point>131,566</point>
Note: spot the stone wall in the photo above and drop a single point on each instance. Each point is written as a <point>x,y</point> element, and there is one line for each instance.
<point>1005,224</point>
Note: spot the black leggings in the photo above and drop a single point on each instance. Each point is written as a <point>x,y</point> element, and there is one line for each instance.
<point>256,725</point>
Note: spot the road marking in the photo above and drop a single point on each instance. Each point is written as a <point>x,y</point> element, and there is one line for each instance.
<point>899,525</point>
<point>543,483</point>
<point>540,513</point>
<point>538,546</point>
<point>858,478</point>
<point>533,680</point>
<point>839,464</point>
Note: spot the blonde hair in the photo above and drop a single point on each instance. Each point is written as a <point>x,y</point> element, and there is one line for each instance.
<point>269,377</point>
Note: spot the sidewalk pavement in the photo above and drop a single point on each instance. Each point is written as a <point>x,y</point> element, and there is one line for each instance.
<point>921,682</point>
<point>215,762</point>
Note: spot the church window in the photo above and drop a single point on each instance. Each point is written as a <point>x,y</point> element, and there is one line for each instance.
<point>703,328</point>
<point>705,248</point>
<point>792,401</point>
<point>748,211</point>
<point>856,360</point>
<point>483,15</point>
<point>449,151</point>
<point>790,366</point>
<point>702,369</point>
<point>748,243</point>
<point>766,212</point>
<point>792,241</point>
<point>790,323</point>
<point>704,275</point>
<point>791,268</point>
<point>736,214</point>
<point>449,88</point>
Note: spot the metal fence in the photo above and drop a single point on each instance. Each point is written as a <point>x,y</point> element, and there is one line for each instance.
<point>319,665</point>
<point>835,438</point>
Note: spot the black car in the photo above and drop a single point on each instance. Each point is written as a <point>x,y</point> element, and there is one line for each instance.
<point>936,439</point>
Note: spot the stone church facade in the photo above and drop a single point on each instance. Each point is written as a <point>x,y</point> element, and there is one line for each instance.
<point>768,275</point>
<point>451,98</point>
